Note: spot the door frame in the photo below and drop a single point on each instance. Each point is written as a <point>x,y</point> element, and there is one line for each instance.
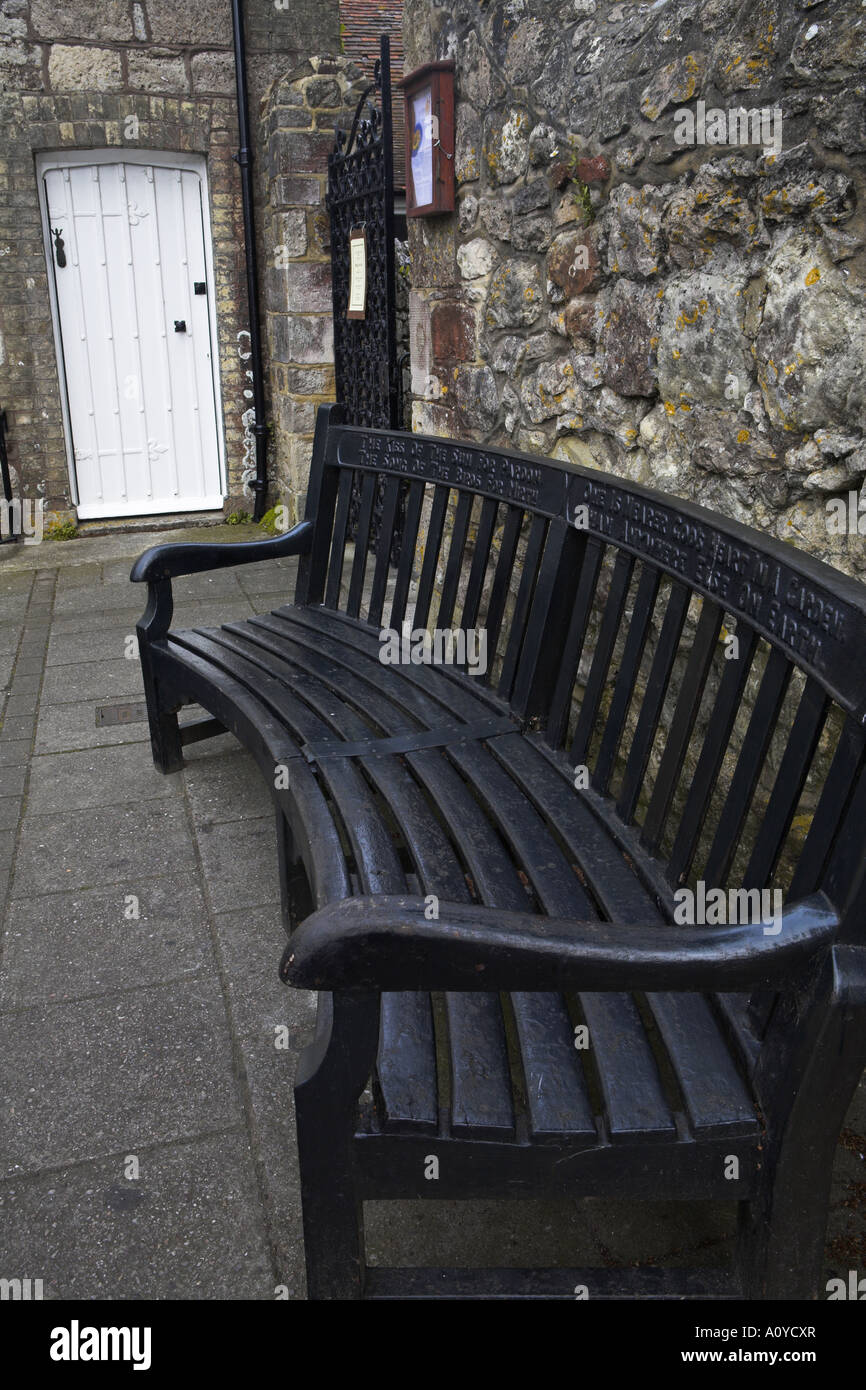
<point>163,159</point>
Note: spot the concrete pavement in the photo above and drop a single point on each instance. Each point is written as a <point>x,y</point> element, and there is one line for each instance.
<point>147,1135</point>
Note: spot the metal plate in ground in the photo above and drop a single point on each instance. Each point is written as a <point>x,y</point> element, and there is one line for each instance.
<point>133,713</point>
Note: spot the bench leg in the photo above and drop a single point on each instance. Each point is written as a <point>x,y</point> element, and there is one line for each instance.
<point>161,715</point>
<point>782,1236</point>
<point>332,1072</point>
<point>164,734</point>
<point>782,1240</point>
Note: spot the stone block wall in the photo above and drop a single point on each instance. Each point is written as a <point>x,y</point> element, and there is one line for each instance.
<point>298,122</point>
<point>656,265</point>
<point>142,74</point>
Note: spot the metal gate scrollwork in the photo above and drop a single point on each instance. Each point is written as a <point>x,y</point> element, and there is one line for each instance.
<point>361,197</point>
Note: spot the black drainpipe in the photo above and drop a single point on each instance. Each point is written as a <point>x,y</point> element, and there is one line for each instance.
<point>244,158</point>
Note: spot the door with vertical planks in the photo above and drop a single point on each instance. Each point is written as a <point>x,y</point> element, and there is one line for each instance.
<point>129,253</point>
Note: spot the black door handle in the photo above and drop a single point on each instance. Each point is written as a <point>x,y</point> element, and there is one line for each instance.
<point>180,325</point>
<point>59,252</point>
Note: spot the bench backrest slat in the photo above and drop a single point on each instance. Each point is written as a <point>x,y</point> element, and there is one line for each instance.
<point>654,696</point>
<point>848,763</point>
<point>338,542</point>
<point>610,623</point>
<point>406,563</point>
<point>454,564</point>
<point>520,614</point>
<point>765,713</point>
<point>560,705</point>
<point>626,680</point>
<point>384,542</point>
<point>682,724</point>
<point>547,621</point>
<point>433,533</point>
<point>724,711</point>
<point>502,576</point>
<point>480,562</point>
<point>788,786</point>
<point>369,483</point>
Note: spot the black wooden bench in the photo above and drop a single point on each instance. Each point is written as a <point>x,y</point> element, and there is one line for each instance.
<point>472,913</point>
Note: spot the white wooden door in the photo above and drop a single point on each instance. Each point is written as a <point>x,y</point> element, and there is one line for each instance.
<point>136,331</point>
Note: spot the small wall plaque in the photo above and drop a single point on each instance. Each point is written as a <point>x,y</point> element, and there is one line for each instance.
<point>357,275</point>
<point>429,93</point>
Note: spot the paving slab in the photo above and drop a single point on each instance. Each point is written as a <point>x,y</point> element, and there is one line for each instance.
<point>14,751</point>
<point>224,788</point>
<point>114,680</point>
<point>65,946</point>
<point>110,844</point>
<point>96,777</point>
<point>64,624</point>
<point>239,862</point>
<point>107,597</point>
<point>189,1227</point>
<point>88,1078</point>
<point>107,642</point>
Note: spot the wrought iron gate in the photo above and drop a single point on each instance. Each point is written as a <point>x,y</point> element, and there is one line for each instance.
<point>361,197</point>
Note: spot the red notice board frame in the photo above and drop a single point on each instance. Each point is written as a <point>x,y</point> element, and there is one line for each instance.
<point>439,77</point>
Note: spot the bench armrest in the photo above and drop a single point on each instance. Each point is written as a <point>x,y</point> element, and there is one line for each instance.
<point>387,943</point>
<point>169,561</point>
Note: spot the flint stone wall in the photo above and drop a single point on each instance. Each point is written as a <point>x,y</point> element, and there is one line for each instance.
<point>691,316</point>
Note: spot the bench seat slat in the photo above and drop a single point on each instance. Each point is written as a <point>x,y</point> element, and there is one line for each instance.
<point>556,1092</point>
<point>635,1102</point>
<point>716,1099</point>
<point>405,1077</point>
<point>464,697</point>
<point>544,777</point>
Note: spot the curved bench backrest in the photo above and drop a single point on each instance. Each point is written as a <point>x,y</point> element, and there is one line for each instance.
<point>708,681</point>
